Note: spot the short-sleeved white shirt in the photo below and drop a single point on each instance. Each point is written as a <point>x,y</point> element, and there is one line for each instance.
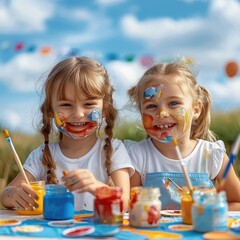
<point>93,160</point>
<point>206,157</point>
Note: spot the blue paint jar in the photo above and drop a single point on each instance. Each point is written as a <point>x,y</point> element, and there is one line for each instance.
<point>58,203</point>
<point>209,211</point>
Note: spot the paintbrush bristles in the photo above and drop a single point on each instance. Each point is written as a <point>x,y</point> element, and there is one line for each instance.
<point>175,142</point>
<point>15,155</point>
<point>6,133</point>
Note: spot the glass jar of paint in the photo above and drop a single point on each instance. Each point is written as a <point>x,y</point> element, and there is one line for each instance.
<point>145,208</point>
<point>186,207</point>
<point>209,211</point>
<point>39,188</point>
<point>58,203</point>
<point>108,205</point>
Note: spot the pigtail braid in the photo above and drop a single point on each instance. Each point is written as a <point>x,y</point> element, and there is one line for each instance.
<point>110,115</point>
<point>47,156</point>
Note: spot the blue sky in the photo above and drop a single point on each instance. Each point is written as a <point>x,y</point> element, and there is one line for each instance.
<point>113,32</point>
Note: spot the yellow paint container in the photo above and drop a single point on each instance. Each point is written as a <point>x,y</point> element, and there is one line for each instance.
<point>39,188</point>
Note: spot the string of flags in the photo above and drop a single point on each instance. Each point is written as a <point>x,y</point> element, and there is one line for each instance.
<point>231,67</point>
<point>19,47</point>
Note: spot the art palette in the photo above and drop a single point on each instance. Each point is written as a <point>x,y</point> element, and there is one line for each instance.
<point>171,213</point>
<point>220,235</point>
<point>78,231</point>
<point>28,228</point>
<point>180,227</point>
<point>9,222</point>
<point>64,223</point>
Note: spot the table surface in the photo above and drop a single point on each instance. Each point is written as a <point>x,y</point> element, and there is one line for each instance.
<point>10,214</point>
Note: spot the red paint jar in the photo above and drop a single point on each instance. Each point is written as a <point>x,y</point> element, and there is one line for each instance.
<point>108,205</point>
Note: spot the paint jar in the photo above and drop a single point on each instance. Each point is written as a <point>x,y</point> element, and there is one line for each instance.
<point>58,203</point>
<point>39,188</point>
<point>145,207</point>
<point>108,205</point>
<point>209,211</point>
<point>186,207</point>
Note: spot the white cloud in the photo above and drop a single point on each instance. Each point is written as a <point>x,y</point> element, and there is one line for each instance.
<point>212,39</point>
<point>22,72</point>
<point>123,75</point>
<point>94,25</point>
<point>20,116</point>
<point>22,16</point>
<point>226,95</point>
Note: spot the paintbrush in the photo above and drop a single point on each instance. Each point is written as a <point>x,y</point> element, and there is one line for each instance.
<point>9,141</point>
<point>232,158</point>
<point>59,124</point>
<point>175,143</point>
<point>175,184</point>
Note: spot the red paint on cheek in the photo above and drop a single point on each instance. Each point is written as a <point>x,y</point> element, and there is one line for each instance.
<point>147,121</point>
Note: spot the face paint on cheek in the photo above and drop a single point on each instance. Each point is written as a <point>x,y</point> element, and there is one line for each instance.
<point>95,116</point>
<point>182,116</point>
<point>153,132</point>
<point>60,120</point>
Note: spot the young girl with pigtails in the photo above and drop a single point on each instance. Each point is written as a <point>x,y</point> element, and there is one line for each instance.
<point>174,106</point>
<point>78,96</point>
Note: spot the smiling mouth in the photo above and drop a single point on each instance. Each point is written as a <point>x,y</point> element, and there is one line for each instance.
<point>164,126</point>
<point>79,127</point>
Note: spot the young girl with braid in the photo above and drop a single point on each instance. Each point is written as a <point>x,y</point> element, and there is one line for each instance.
<point>174,106</point>
<point>78,96</point>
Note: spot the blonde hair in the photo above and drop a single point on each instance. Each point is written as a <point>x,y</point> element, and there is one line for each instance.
<point>186,79</point>
<point>89,78</point>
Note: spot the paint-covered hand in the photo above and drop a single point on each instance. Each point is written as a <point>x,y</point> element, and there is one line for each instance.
<point>81,180</point>
<point>21,197</point>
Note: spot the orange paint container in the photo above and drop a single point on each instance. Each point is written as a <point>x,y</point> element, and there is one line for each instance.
<point>186,207</point>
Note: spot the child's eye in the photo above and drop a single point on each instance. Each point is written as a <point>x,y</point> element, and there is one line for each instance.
<point>173,103</point>
<point>151,106</point>
<point>65,105</point>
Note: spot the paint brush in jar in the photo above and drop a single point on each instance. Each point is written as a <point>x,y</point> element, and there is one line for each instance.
<point>179,154</point>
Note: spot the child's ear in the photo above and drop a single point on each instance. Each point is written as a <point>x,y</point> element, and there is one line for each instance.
<point>197,109</point>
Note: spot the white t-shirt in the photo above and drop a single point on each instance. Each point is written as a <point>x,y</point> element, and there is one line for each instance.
<point>93,160</point>
<point>206,157</point>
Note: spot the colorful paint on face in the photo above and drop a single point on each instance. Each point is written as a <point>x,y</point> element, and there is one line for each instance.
<point>60,123</point>
<point>95,121</point>
<point>95,116</point>
<point>153,132</point>
<point>162,113</point>
<point>152,92</point>
<point>182,116</point>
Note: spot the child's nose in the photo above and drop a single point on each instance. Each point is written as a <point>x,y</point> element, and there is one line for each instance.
<point>162,114</point>
<point>79,112</point>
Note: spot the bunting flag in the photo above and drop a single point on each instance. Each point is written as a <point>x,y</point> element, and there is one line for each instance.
<point>19,46</point>
<point>45,50</point>
<point>147,60</point>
